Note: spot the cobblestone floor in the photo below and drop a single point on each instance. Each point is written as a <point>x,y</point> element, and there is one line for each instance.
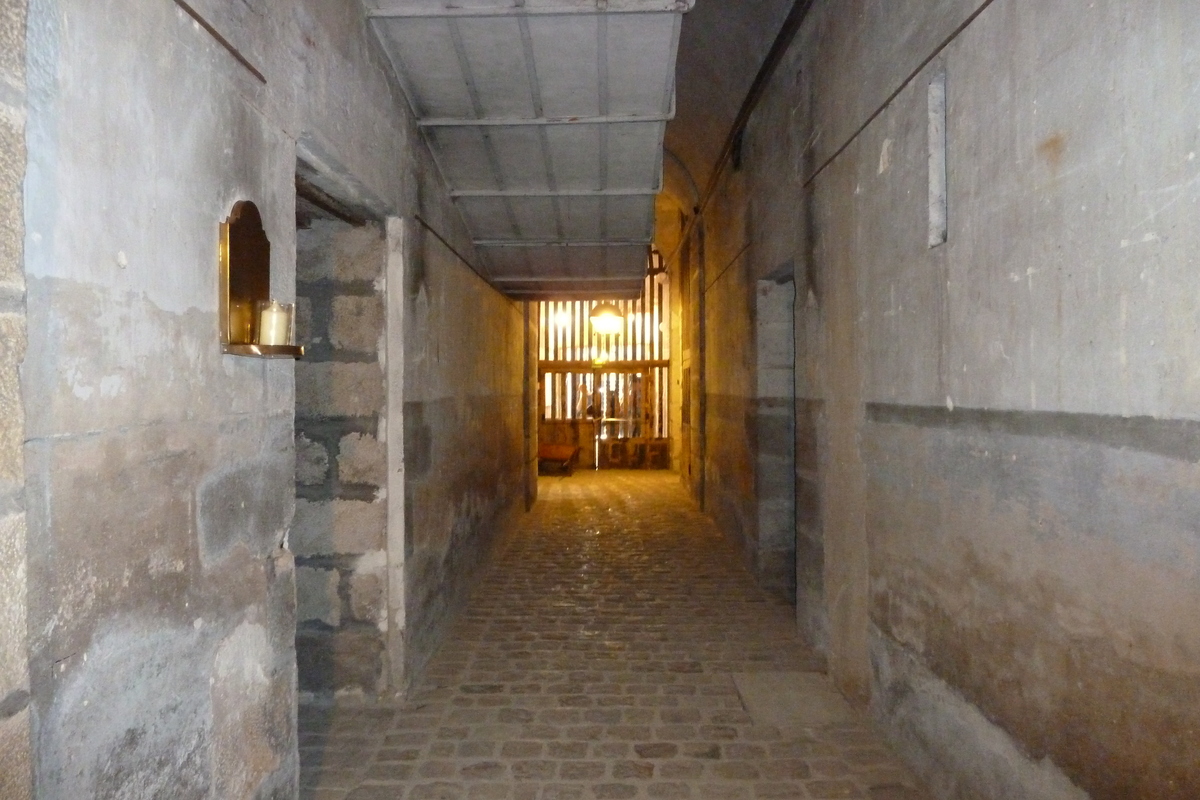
<point>595,661</point>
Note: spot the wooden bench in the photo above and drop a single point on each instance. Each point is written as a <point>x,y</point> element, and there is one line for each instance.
<point>561,456</point>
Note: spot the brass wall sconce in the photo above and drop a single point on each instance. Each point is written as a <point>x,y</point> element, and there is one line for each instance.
<point>252,324</point>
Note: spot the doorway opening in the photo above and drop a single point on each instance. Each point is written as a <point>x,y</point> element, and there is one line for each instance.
<point>607,394</point>
<point>339,534</point>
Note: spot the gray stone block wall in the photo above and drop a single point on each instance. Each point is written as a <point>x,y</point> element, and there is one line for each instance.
<point>340,531</point>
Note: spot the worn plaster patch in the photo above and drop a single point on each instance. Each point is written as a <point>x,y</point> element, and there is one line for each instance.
<point>153,743</point>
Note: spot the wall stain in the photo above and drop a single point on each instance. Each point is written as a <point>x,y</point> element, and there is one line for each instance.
<point>1052,149</point>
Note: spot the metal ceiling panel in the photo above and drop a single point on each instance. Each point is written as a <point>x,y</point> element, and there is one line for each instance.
<point>520,157</point>
<point>546,118</point>
<point>596,261</point>
<point>528,156</point>
<point>462,155</point>
<point>488,217</point>
<point>575,155</point>
<point>537,218</point>
<point>496,71</point>
<point>582,218</point>
<point>422,53</point>
<point>641,62</point>
<point>426,8</point>
<point>572,87</point>
<point>631,218</point>
<point>635,151</point>
<point>572,288</point>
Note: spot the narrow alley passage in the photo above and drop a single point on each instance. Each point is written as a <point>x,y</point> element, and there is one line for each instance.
<point>598,659</point>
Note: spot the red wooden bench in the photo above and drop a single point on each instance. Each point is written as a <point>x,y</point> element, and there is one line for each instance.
<point>561,456</point>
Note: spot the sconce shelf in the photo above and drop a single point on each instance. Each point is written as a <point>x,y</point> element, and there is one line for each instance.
<point>264,350</point>
<point>251,324</point>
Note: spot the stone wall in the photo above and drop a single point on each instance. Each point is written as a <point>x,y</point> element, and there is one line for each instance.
<point>161,598</point>
<point>744,414</point>
<point>160,474</point>
<point>340,532</point>
<point>16,769</point>
<point>995,460</point>
<point>466,438</point>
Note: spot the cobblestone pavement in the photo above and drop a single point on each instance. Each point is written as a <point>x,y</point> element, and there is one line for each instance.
<point>595,661</point>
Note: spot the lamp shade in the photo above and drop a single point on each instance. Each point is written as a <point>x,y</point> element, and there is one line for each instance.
<point>606,318</point>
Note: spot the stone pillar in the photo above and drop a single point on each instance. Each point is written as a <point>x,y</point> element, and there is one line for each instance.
<point>398,239</point>
<point>339,536</point>
<point>775,439</point>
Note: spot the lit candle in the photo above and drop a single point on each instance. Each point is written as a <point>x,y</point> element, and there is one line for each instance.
<point>275,323</point>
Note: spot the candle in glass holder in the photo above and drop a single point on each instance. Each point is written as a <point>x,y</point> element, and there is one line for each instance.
<point>274,322</point>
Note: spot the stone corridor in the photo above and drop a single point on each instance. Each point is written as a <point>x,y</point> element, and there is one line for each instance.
<point>597,659</point>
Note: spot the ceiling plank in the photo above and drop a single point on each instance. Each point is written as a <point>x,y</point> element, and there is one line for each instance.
<point>460,122</point>
<point>492,8</point>
<point>654,190</point>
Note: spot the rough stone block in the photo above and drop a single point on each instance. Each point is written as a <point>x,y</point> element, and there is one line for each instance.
<point>248,714</point>
<point>338,526</point>
<point>304,320</point>
<point>330,249</point>
<point>13,652</point>
<point>345,659</point>
<point>12,351</point>
<point>317,596</point>
<point>12,37</point>
<point>362,459</point>
<point>366,596</point>
<point>12,172</point>
<point>312,461</point>
<point>357,323</point>
<point>314,259</point>
<point>338,390</point>
<point>16,774</point>
<point>358,253</point>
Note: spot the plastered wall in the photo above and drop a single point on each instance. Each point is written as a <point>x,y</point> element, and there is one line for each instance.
<point>160,474</point>
<point>995,461</point>
<point>160,595</point>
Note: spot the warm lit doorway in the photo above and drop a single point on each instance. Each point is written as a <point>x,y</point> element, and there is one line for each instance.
<point>603,391</point>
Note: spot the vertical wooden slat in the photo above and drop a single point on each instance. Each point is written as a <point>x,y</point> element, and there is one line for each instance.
<point>573,351</point>
<point>643,309</point>
<point>562,332</point>
<point>629,329</point>
<point>648,317</point>
<point>662,311</point>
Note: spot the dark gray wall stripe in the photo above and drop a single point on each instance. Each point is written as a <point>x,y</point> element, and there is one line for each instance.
<point>1172,438</point>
